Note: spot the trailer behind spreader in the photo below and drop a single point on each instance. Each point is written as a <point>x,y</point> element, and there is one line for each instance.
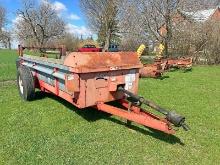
<point>94,79</point>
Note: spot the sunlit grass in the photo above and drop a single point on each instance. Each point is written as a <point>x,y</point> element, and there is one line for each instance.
<point>7,64</point>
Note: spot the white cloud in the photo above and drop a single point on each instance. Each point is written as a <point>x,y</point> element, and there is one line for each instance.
<point>59,7</point>
<point>77,30</point>
<point>17,19</point>
<point>74,17</point>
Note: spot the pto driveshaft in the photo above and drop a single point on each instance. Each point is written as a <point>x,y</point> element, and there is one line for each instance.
<point>172,117</point>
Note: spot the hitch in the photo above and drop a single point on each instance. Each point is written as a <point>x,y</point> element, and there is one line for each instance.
<point>174,118</point>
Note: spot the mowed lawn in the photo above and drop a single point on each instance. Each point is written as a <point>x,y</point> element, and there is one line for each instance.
<point>7,64</point>
<point>51,131</point>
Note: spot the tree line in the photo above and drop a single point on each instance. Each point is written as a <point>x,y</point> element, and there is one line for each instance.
<point>127,23</point>
<point>131,23</point>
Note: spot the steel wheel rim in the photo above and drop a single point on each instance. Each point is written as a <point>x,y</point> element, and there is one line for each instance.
<point>21,87</point>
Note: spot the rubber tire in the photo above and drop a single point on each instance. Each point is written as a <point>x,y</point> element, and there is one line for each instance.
<point>28,83</point>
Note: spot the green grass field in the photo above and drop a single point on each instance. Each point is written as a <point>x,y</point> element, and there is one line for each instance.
<point>51,131</point>
<point>7,64</point>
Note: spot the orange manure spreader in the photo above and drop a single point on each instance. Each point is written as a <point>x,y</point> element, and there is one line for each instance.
<point>93,79</point>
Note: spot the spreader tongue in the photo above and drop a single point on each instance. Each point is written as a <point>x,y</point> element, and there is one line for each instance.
<point>174,118</point>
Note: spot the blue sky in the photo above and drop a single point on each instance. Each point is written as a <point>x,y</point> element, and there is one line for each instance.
<point>68,9</point>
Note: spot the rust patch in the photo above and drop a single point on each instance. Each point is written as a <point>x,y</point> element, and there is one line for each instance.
<point>181,63</point>
<point>102,60</point>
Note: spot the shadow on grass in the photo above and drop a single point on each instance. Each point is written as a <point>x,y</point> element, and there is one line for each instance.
<point>157,78</point>
<point>163,77</point>
<point>187,70</point>
<point>151,132</point>
<point>174,69</point>
<point>92,115</point>
<point>183,70</point>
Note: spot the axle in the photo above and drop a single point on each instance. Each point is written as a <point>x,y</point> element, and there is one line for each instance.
<point>172,117</point>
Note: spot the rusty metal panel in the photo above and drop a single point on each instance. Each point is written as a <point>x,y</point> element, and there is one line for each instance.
<point>102,61</point>
<point>72,83</point>
<point>102,86</point>
<point>151,70</point>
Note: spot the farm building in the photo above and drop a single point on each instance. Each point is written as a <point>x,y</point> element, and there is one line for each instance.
<point>200,16</point>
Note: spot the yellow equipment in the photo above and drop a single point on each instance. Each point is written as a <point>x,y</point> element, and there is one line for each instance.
<point>161,48</point>
<point>141,50</point>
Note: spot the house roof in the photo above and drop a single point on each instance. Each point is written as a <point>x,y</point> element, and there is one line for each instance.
<point>201,15</point>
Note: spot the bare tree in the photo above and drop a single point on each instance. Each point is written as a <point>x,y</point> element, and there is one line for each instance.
<point>2,17</point>
<point>157,14</point>
<point>102,18</point>
<point>131,26</point>
<point>144,21</point>
<point>5,35</point>
<point>6,39</point>
<point>196,36</point>
<point>38,24</point>
<point>70,41</point>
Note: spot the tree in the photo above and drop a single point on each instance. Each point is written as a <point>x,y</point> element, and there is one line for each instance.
<point>2,17</point>
<point>157,14</point>
<point>6,39</point>
<point>71,42</point>
<point>131,26</point>
<point>38,24</point>
<point>5,35</point>
<point>198,38</point>
<point>141,21</point>
<point>102,18</point>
